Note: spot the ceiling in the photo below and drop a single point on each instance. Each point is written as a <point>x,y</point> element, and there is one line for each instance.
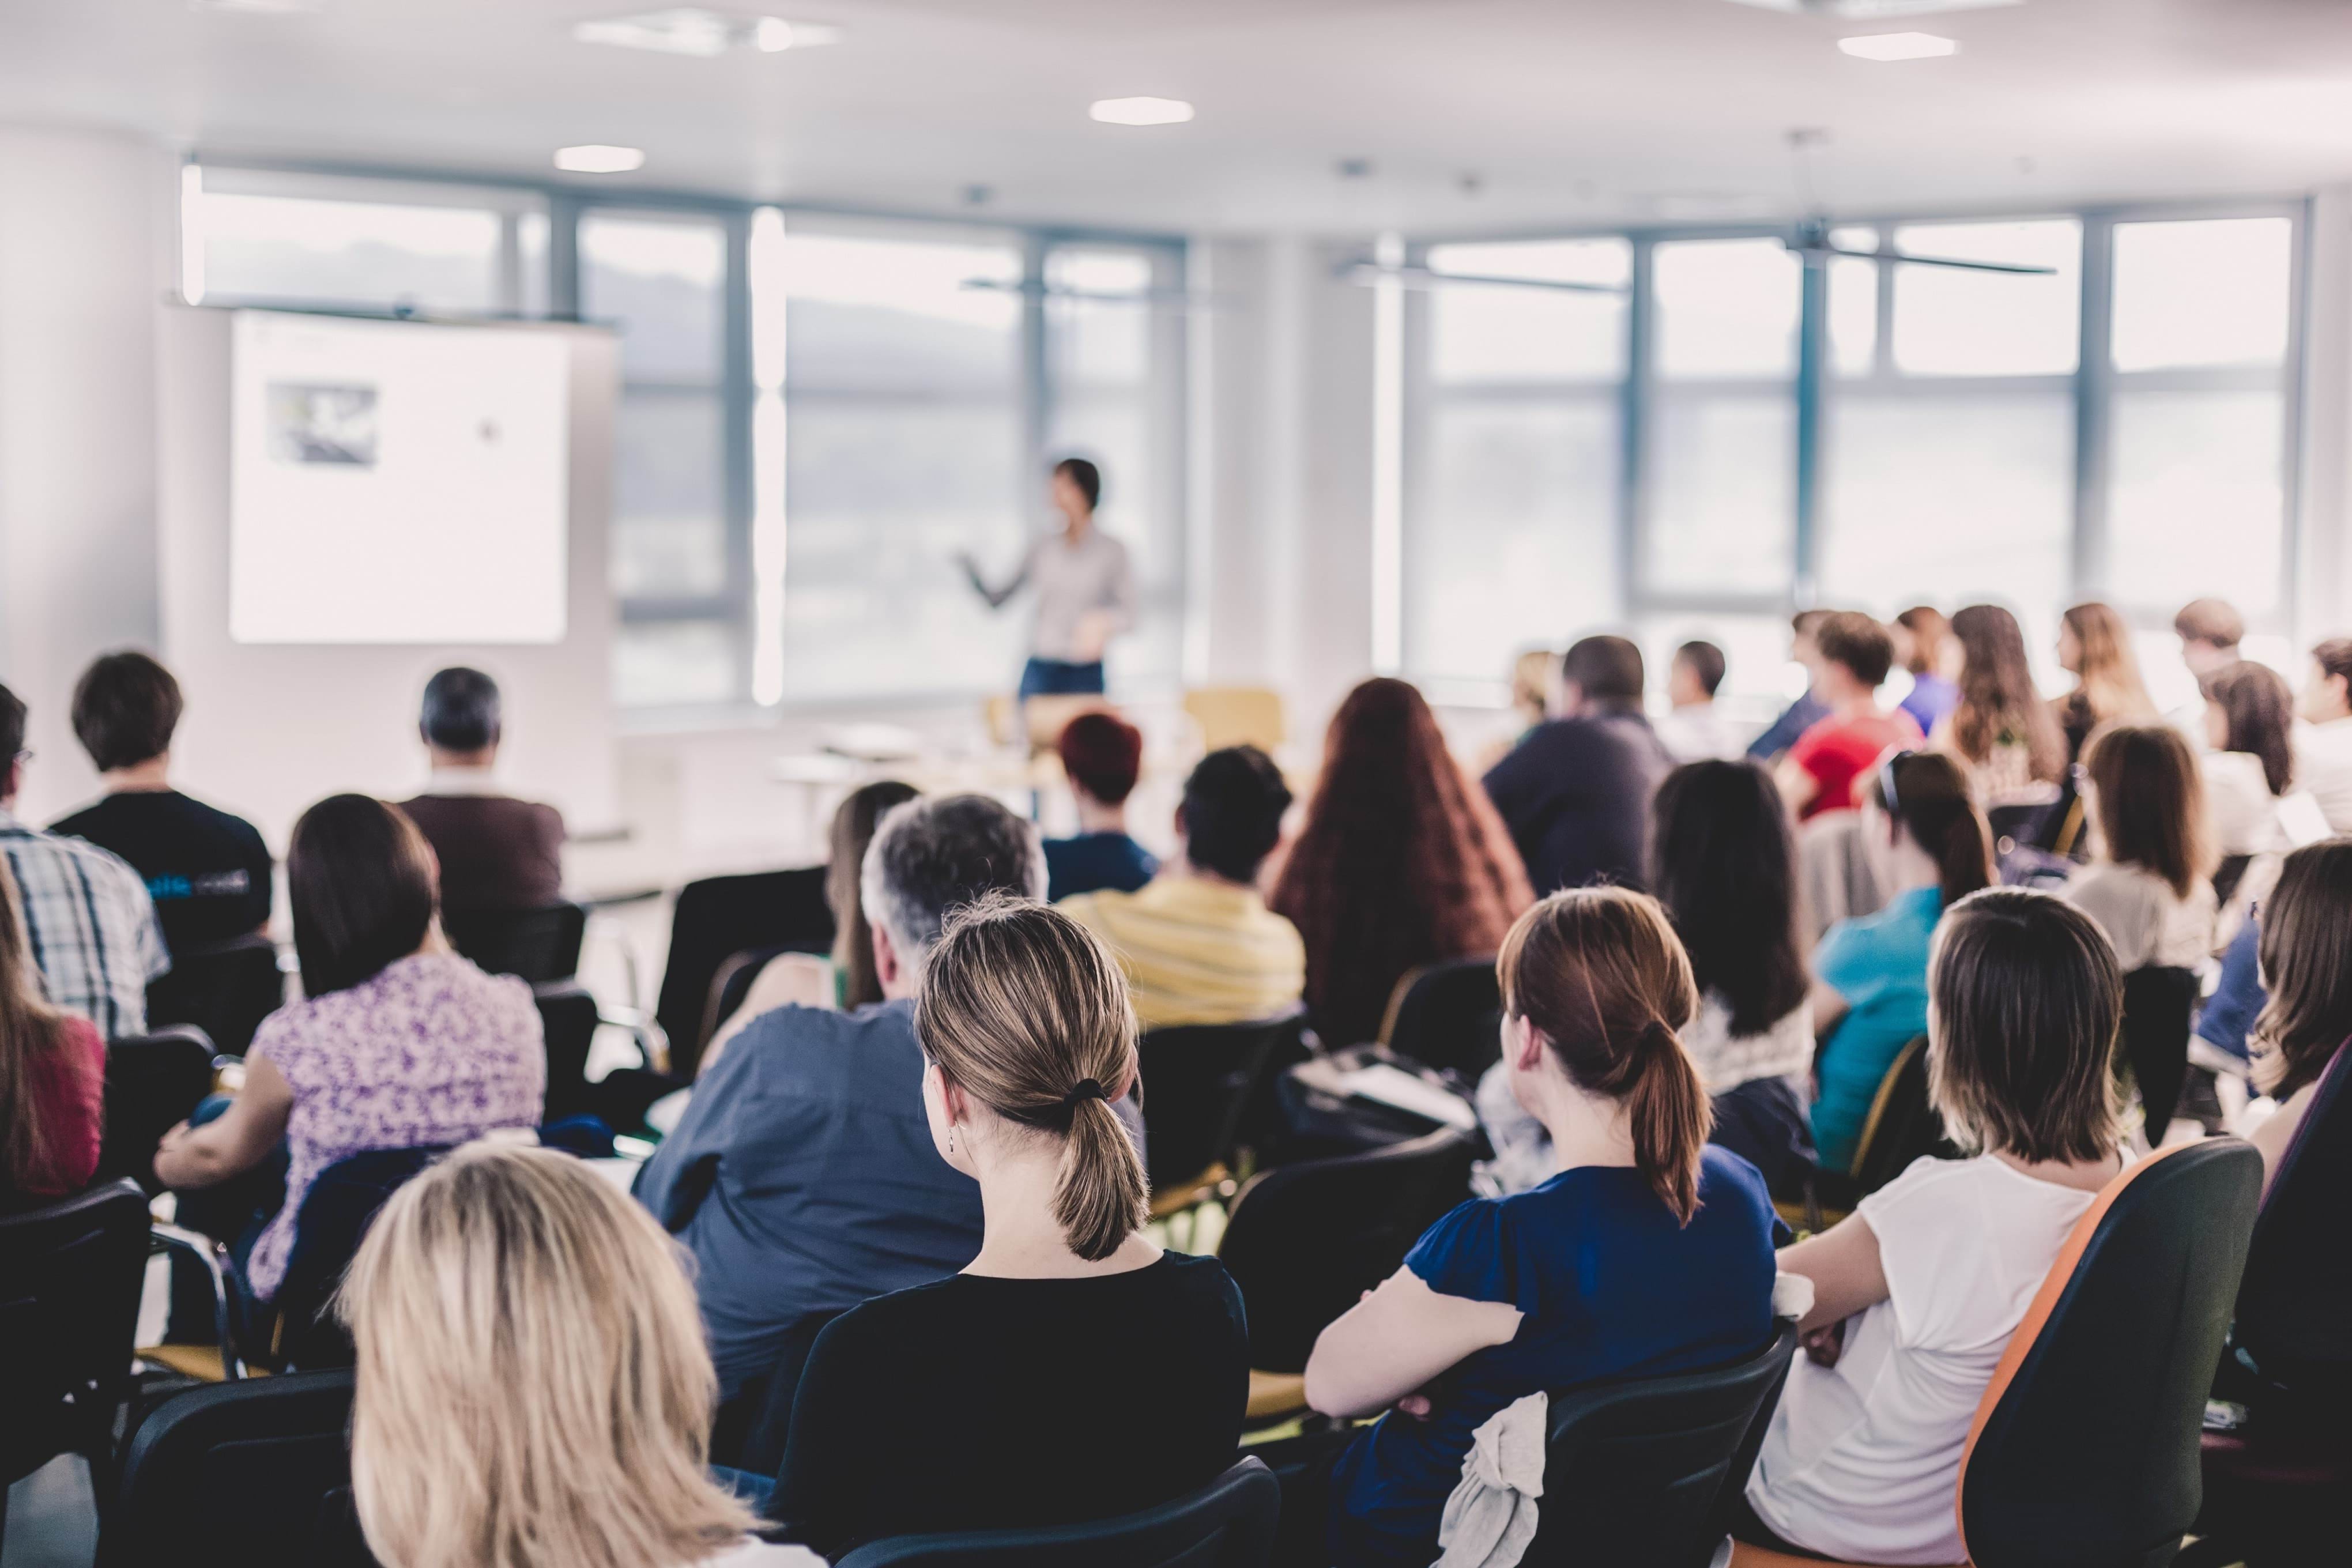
<point>1472,115</point>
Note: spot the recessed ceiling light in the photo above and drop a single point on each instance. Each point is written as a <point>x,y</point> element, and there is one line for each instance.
<point>693,31</point>
<point>255,7</point>
<point>1874,10</point>
<point>596,158</point>
<point>1898,46</point>
<point>1142,111</point>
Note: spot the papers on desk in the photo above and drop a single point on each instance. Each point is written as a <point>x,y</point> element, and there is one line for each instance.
<point>1386,1085</point>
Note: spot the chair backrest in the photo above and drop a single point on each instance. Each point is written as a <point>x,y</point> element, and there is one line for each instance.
<point>69,1280</point>
<point>246,1468</point>
<point>1446,1015</point>
<point>1306,1240</point>
<point>225,989</point>
<point>2083,1453</point>
<point>1197,1080</point>
<point>335,1217</point>
<point>567,1022</point>
<point>721,916</point>
<point>1638,1471</point>
<point>152,1082</point>
<point>2294,1305</point>
<point>1237,716</point>
<point>1229,1523</point>
<point>539,945</point>
<point>2159,1004</point>
<point>1901,1125</point>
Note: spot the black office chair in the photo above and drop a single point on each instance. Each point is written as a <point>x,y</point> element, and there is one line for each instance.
<point>225,989</point>
<point>1229,1523</point>
<point>750,1429</point>
<point>2159,1005</point>
<point>1197,1079</point>
<point>539,945</point>
<point>152,1083</point>
<point>1448,1016</point>
<point>1641,1472</point>
<point>1902,1126</point>
<point>328,1229</point>
<point>567,1018</point>
<point>245,1473</point>
<point>719,917</point>
<point>69,1278</point>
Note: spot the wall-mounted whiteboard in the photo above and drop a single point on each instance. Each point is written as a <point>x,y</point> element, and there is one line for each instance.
<point>396,481</point>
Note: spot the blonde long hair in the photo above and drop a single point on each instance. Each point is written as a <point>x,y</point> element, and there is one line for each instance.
<point>532,1386</point>
<point>2111,684</point>
<point>30,1030</point>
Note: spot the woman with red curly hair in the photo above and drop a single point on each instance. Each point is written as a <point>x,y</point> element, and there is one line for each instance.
<point>1401,862</point>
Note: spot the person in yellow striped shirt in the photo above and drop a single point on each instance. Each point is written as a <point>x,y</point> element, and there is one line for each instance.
<point>1197,941</point>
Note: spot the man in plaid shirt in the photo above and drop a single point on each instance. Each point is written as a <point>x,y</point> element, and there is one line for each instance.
<point>88,918</point>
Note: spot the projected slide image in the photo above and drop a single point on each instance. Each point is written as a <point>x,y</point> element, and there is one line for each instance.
<point>311,424</point>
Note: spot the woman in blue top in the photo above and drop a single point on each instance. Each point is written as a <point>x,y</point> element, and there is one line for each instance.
<point>1928,842</point>
<point>1649,1253</point>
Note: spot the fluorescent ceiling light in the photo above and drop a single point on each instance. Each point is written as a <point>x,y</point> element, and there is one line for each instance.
<point>1898,46</point>
<point>255,7</point>
<point>692,30</point>
<point>596,158</point>
<point>1874,10</point>
<point>1142,111</point>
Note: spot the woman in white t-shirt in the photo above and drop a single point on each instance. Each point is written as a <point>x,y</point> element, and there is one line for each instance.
<point>2150,888</point>
<point>2249,723</point>
<point>532,1386</point>
<point>1917,1295</point>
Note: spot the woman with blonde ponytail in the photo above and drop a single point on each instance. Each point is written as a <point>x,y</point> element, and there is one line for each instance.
<point>1041,1410</point>
<point>1648,1252</point>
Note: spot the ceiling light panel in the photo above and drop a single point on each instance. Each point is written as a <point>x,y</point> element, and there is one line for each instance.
<point>597,158</point>
<point>1142,111</point>
<point>703,34</point>
<point>1898,46</point>
<point>1874,10</point>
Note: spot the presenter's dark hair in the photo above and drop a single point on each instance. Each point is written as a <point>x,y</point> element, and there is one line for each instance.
<point>363,884</point>
<point>1085,476</point>
<point>1604,669</point>
<point>461,710</point>
<point>1232,811</point>
<point>1705,661</point>
<point>125,707</point>
<point>1724,864</point>
<point>1103,755</point>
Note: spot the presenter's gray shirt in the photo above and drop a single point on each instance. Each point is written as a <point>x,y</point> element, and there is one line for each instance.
<point>1072,581</point>
<point>804,1179</point>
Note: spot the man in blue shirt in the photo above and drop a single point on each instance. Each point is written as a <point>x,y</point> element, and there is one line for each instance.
<point>802,1176</point>
<point>1807,709</point>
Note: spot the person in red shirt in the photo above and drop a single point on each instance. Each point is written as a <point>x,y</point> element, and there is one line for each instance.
<point>1818,772</point>
<point>52,1078</point>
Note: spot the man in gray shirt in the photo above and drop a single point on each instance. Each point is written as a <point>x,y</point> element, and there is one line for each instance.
<point>1086,590</point>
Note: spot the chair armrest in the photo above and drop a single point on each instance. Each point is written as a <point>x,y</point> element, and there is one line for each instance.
<point>213,1259</point>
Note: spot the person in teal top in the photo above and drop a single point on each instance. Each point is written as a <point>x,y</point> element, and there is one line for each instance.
<point>1930,844</point>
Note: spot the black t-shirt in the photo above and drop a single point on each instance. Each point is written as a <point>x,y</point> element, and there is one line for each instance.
<point>207,871</point>
<point>987,1404</point>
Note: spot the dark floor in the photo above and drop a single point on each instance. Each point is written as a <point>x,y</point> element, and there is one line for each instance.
<point>52,1519</point>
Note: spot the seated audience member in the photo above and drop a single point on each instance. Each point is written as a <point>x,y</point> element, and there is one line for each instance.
<point>497,852</point>
<point>1402,862</point>
<point>532,1388</point>
<point>2323,741</point>
<point>1102,756</point>
<point>52,1079</point>
<point>1818,772</point>
<point>1113,1374</point>
<point>1724,870</point>
<point>2220,1043</point>
<point>1915,1295</point>
<point>2094,648</point>
<point>2307,966</point>
<point>1576,793</point>
<point>1646,1253</point>
<point>2001,730</point>
<point>2249,762</point>
<point>2209,632</point>
<point>1931,849</point>
<point>801,1176</point>
<point>1695,731</point>
<point>1807,709</point>
<point>208,872</point>
<point>1923,646</point>
<point>1197,941</point>
<point>2149,888</point>
<point>398,1043</point>
<point>845,981</point>
<point>88,922</point>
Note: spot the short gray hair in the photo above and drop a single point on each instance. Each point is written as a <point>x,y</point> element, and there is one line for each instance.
<point>933,855</point>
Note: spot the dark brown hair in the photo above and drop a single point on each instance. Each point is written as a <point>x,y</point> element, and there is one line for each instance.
<point>125,707</point>
<point>1604,669</point>
<point>1401,861</point>
<point>1933,804</point>
<point>32,1038</point>
<point>1929,628</point>
<point>2215,622</point>
<point>2151,798</point>
<point>2307,966</point>
<point>1705,661</point>
<point>1724,864</point>
<point>1997,703</point>
<point>1602,978</point>
<point>1103,755</point>
<point>1024,1010</point>
<point>2026,999</point>
<point>2261,710</point>
<point>853,936</point>
<point>363,886</point>
<point>1852,639</point>
<point>1085,476</point>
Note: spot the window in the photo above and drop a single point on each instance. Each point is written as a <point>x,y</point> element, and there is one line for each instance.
<point>1950,321</point>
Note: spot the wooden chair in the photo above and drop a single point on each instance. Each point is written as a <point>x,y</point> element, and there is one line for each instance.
<point>1237,716</point>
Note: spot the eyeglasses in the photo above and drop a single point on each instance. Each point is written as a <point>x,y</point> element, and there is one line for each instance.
<point>1886,780</point>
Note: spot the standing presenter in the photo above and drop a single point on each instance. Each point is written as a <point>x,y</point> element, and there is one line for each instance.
<point>1086,590</point>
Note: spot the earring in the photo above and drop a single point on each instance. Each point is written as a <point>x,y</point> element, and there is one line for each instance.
<point>950,1140</point>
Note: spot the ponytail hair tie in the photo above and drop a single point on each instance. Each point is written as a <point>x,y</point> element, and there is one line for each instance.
<point>1088,1089</point>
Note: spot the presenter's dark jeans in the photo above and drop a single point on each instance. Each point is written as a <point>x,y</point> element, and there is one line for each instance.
<point>1052,677</point>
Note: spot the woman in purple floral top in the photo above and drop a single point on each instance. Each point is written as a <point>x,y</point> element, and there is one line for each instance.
<point>398,1044</point>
